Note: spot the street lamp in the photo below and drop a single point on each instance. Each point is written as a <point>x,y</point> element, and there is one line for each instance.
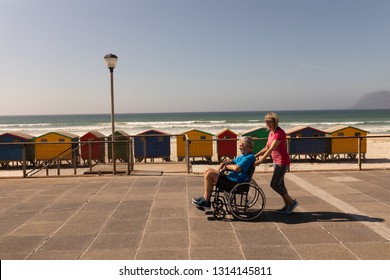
<point>111,60</point>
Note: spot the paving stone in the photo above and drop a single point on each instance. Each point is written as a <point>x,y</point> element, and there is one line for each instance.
<point>372,207</point>
<point>68,242</point>
<point>135,214</point>
<point>164,240</point>
<point>216,253</point>
<point>167,225</point>
<point>131,205</point>
<point>36,229</point>
<point>21,244</point>
<point>324,252</point>
<point>124,226</point>
<point>354,233</point>
<point>278,252</point>
<point>206,225</point>
<point>55,255</point>
<point>173,211</point>
<point>116,241</point>
<point>80,227</point>
<point>370,251</point>
<point>162,254</point>
<point>117,254</point>
<point>306,235</point>
<point>52,217</point>
<point>207,239</point>
<point>171,195</point>
<point>260,238</point>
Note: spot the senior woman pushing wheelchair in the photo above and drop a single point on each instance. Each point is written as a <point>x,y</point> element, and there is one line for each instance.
<point>238,171</point>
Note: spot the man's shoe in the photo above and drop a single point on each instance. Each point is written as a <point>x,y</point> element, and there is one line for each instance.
<point>202,204</point>
<point>291,207</point>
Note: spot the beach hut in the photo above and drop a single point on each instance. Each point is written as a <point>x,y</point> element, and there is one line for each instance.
<point>311,147</point>
<point>59,144</point>
<point>152,144</point>
<point>226,144</point>
<point>122,149</point>
<point>201,145</point>
<point>93,147</point>
<point>347,146</point>
<point>259,135</point>
<point>14,152</point>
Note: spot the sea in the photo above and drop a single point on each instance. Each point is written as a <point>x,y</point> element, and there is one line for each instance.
<point>373,121</point>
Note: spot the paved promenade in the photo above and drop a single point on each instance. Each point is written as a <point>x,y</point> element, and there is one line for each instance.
<point>342,215</point>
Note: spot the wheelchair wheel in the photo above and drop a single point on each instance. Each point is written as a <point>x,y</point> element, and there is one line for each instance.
<point>219,213</point>
<point>246,201</point>
<point>216,204</point>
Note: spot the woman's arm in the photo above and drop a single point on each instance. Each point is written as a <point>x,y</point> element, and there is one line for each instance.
<point>274,145</point>
<point>261,152</point>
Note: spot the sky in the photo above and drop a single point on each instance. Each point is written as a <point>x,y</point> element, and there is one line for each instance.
<point>191,55</point>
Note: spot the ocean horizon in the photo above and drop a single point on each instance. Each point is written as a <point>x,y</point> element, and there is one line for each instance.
<point>373,121</point>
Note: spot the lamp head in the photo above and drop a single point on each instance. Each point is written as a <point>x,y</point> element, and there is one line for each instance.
<point>111,60</point>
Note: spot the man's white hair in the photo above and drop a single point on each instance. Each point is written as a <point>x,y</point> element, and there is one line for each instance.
<point>247,141</point>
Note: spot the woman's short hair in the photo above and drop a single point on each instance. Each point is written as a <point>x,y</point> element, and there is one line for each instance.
<point>247,141</point>
<point>272,116</point>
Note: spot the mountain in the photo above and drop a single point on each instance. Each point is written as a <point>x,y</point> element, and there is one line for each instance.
<point>374,100</point>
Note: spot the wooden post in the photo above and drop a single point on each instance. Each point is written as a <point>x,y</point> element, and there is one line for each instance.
<point>188,142</point>
<point>360,153</point>
<point>24,160</point>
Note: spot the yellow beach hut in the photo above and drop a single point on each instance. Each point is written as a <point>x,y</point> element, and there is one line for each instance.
<point>49,146</point>
<point>201,145</point>
<point>347,146</point>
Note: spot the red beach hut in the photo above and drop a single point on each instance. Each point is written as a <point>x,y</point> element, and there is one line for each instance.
<point>93,147</point>
<point>226,144</point>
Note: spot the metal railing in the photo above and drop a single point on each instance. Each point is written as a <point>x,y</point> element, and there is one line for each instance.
<point>32,159</point>
<point>315,153</point>
<point>35,159</point>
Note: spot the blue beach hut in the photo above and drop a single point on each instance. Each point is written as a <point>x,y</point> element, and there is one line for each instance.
<point>152,144</point>
<point>311,146</point>
<point>14,152</point>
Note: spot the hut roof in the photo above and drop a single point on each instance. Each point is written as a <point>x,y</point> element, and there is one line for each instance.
<point>203,132</point>
<point>19,135</point>
<point>95,133</point>
<point>341,127</point>
<point>254,129</point>
<point>121,132</point>
<point>62,133</point>
<point>152,131</point>
<point>225,130</point>
<point>302,127</point>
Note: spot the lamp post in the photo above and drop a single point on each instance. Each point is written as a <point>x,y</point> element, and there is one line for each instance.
<point>111,60</point>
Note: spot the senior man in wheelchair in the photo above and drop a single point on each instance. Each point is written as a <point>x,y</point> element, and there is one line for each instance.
<point>238,171</point>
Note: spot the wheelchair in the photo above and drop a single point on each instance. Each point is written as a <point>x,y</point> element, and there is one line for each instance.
<point>244,201</point>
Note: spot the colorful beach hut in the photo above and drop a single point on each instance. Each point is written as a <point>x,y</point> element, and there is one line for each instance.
<point>14,152</point>
<point>122,149</point>
<point>312,146</point>
<point>152,144</point>
<point>226,144</point>
<point>93,147</point>
<point>59,144</point>
<point>259,135</point>
<point>347,146</point>
<point>201,145</point>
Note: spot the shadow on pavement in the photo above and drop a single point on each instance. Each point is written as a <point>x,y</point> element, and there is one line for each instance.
<point>307,217</point>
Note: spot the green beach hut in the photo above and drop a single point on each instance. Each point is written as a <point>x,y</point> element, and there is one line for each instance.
<point>259,135</point>
<point>122,150</point>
